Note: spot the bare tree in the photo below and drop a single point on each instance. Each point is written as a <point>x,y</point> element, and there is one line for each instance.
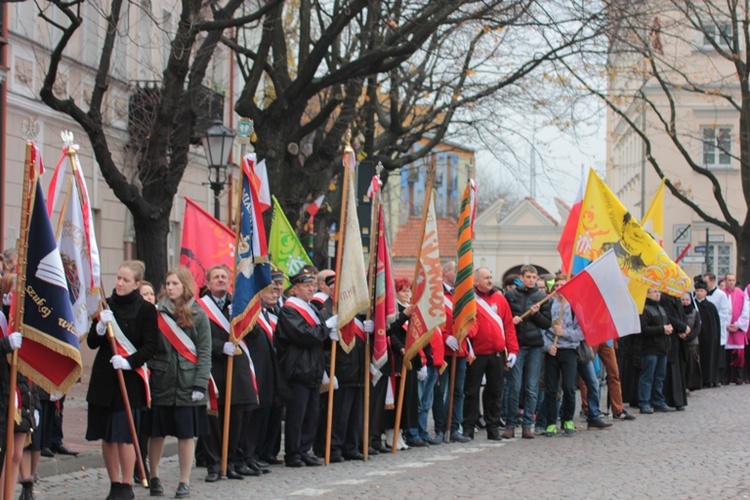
<point>163,156</point>
<point>659,56</point>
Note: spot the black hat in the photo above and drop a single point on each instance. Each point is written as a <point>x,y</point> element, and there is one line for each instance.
<point>330,279</point>
<point>277,275</point>
<point>700,284</point>
<point>304,276</point>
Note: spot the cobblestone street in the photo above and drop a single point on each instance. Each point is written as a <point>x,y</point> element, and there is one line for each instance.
<point>702,452</point>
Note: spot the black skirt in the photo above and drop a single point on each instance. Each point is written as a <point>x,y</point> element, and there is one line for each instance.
<point>183,422</point>
<point>110,426</point>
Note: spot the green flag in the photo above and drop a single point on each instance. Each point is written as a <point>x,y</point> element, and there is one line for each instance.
<point>284,248</point>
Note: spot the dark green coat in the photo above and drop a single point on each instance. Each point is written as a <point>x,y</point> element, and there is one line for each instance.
<point>174,378</point>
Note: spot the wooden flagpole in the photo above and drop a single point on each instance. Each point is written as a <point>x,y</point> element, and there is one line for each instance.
<point>73,157</point>
<point>335,299</point>
<point>402,383</point>
<point>374,235</point>
<point>27,203</point>
<point>235,341</point>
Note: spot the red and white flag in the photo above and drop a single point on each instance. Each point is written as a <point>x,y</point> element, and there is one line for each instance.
<point>428,313</point>
<point>314,207</point>
<point>259,179</point>
<point>601,302</point>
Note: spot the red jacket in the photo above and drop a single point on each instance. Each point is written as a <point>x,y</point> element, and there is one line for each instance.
<point>487,336</point>
<point>447,329</point>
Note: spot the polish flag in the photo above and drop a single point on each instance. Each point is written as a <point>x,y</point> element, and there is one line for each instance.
<point>313,207</point>
<point>264,193</point>
<point>568,236</point>
<point>601,302</point>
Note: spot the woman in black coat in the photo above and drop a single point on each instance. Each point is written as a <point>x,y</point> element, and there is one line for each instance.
<point>136,329</point>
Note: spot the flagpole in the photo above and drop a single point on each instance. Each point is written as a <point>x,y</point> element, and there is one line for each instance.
<point>28,200</point>
<point>404,362</point>
<point>374,234</point>
<point>335,299</point>
<point>230,359</point>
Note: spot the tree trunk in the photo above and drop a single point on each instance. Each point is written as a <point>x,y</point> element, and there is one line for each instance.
<point>743,251</point>
<point>151,246</point>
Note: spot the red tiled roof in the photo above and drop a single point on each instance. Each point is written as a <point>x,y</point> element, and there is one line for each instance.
<point>542,210</point>
<point>403,272</point>
<point>407,241</point>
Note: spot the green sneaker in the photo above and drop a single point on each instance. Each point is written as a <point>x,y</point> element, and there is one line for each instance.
<point>569,428</point>
<point>551,431</point>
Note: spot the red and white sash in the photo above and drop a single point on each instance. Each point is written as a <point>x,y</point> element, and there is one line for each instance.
<point>268,324</point>
<point>490,313</point>
<point>177,337</point>
<point>213,312</point>
<point>125,348</point>
<point>243,346</point>
<point>448,302</point>
<point>304,309</point>
<point>320,297</point>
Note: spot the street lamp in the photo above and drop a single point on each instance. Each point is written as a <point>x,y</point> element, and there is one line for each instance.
<point>217,144</point>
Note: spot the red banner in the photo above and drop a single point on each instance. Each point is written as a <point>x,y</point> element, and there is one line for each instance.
<point>206,242</point>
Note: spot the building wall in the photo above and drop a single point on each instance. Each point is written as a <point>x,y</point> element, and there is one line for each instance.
<point>635,181</point>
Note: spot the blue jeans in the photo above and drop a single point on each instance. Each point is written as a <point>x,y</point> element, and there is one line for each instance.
<point>651,381</point>
<point>458,394</point>
<point>426,390</point>
<point>588,374</point>
<point>440,402</point>
<point>528,368</point>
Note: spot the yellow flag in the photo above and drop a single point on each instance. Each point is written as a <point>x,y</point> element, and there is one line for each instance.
<point>605,223</point>
<point>653,219</point>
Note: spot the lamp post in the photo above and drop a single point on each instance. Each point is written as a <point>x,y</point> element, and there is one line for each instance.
<point>217,143</point>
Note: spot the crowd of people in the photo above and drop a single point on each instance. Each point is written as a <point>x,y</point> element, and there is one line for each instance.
<point>518,366</point>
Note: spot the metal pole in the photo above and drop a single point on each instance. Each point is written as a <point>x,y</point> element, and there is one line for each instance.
<point>707,260</point>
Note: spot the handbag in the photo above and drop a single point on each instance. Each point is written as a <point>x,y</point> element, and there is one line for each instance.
<point>584,353</point>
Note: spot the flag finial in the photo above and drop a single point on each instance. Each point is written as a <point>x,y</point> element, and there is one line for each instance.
<point>67,138</point>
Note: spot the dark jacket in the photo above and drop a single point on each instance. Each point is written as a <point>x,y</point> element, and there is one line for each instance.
<point>529,331</point>
<point>653,339</point>
<point>299,347</point>
<point>243,390</point>
<point>397,334</point>
<point>271,383</point>
<point>174,378</point>
<point>137,320</point>
<point>349,365</point>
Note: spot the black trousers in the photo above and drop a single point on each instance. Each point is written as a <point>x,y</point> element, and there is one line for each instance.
<point>215,433</point>
<point>301,420</point>
<point>346,428</point>
<point>249,436</point>
<point>493,367</point>
<point>270,435</point>
<point>377,412</point>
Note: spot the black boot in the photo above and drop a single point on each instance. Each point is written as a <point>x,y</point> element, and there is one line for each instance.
<point>27,491</point>
<point>126,492</point>
<point>114,491</point>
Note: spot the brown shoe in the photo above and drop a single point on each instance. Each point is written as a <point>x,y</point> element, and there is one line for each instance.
<point>509,433</point>
<point>527,433</point>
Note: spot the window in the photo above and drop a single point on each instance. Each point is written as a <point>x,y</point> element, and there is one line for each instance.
<point>717,146</point>
<point>720,258</point>
<point>718,33</point>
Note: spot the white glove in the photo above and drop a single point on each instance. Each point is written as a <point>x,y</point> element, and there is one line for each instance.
<point>335,383</point>
<point>368,326</point>
<point>452,342</point>
<point>53,398</point>
<point>334,335</point>
<point>105,316</point>
<point>333,321</point>
<point>229,348</point>
<point>15,340</point>
<point>7,299</point>
<point>229,310</point>
<point>197,395</point>
<point>36,418</point>
<point>511,360</point>
<point>119,363</point>
<point>422,374</point>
